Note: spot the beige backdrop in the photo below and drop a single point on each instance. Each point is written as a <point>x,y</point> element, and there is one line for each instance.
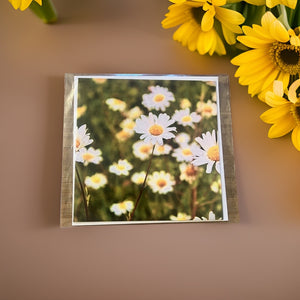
<point>257,258</point>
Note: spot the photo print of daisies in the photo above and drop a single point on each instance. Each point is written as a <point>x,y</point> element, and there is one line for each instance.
<point>147,149</point>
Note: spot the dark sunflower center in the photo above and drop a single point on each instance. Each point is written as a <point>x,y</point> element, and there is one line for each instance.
<point>295,110</point>
<point>286,57</point>
<point>290,57</point>
<point>198,14</point>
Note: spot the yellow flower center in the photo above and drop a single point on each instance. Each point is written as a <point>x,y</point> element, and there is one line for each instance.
<point>96,179</point>
<point>213,153</point>
<point>118,102</point>
<point>158,98</point>
<point>122,205</point>
<point>186,119</point>
<point>88,156</point>
<point>156,130</point>
<point>121,167</point>
<point>190,171</point>
<point>123,135</point>
<point>286,57</point>
<point>187,152</point>
<point>77,143</point>
<point>161,182</point>
<point>145,149</point>
<point>160,149</point>
<point>207,109</point>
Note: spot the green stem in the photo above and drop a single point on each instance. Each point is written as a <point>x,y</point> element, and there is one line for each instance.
<point>283,18</point>
<point>142,188</point>
<point>46,12</point>
<point>85,202</point>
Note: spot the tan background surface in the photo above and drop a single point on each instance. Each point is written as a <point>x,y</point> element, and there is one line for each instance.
<point>255,259</point>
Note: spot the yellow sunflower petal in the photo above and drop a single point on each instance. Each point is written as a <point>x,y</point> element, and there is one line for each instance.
<point>175,18</point>
<point>259,32</point>
<point>269,79</point>
<point>220,48</point>
<point>279,32</point>
<point>250,56</point>
<point>257,67</point>
<point>192,42</point>
<point>39,2</point>
<point>285,78</point>
<point>267,19</point>
<point>205,41</point>
<point>296,137</point>
<point>229,36</point>
<point>282,128</point>
<point>15,3</point>
<point>274,100</point>
<point>276,114</point>
<point>229,16</point>
<point>289,3</point>
<point>253,42</point>
<point>292,93</point>
<point>25,4</point>
<point>207,22</point>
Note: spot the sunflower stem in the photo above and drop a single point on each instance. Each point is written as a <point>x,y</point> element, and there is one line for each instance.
<point>283,18</point>
<point>142,188</point>
<point>46,12</point>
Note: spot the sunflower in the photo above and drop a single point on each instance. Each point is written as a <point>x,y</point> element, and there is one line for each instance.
<point>285,113</point>
<point>199,20</point>
<point>269,3</point>
<point>23,4</point>
<point>275,55</point>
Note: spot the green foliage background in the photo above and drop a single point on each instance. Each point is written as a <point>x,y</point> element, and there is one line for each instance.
<point>103,123</point>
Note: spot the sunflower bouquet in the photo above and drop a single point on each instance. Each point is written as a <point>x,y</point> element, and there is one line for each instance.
<point>262,34</point>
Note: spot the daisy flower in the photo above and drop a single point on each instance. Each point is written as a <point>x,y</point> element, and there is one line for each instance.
<point>209,154</point>
<point>122,208</point>
<point>162,150</point>
<point>99,80</point>
<point>180,217</point>
<point>90,155</point>
<point>182,138</point>
<point>216,186</point>
<point>185,118</point>
<point>122,167</point>
<point>207,109</point>
<point>128,124</point>
<point>138,177</point>
<point>124,135</point>
<point>142,150</point>
<point>96,181</point>
<point>82,138</point>
<point>80,111</point>
<point>154,129</point>
<point>158,99</point>
<point>185,152</point>
<point>185,103</point>
<point>23,4</point>
<point>161,182</point>
<point>134,113</point>
<point>284,114</point>
<point>197,29</point>
<point>188,172</point>
<point>211,217</point>
<point>275,55</point>
<point>116,104</point>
